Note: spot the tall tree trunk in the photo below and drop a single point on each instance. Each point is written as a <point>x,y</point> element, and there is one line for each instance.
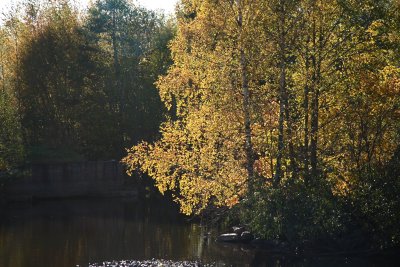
<point>2,74</point>
<point>115,47</point>
<point>247,125</point>
<point>246,110</point>
<point>306,117</point>
<point>281,145</point>
<point>282,93</point>
<point>289,133</point>
<point>120,101</point>
<point>314,134</point>
<point>314,107</point>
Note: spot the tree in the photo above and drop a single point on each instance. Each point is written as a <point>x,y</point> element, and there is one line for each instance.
<point>130,35</point>
<point>206,154</point>
<point>11,144</point>
<point>76,101</point>
<point>288,107</point>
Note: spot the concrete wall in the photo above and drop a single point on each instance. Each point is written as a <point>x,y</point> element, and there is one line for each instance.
<point>56,180</point>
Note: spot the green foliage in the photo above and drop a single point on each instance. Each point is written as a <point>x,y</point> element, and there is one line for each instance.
<point>84,83</point>
<point>375,204</point>
<point>134,41</point>
<point>11,140</point>
<point>58,88</point>
<point>11,145</point>
<point>295,212</point>
<point>43,154</point>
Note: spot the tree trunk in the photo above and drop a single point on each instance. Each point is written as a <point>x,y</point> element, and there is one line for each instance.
<point>314,108</point>
<point>289,133</point>
<point>281,145</point>
<point>282,93</point>
<point>246,110</point>
<point>120,101</point>
<point>306,117</point>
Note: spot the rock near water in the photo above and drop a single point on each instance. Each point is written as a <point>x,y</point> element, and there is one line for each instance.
<point>239,235</point>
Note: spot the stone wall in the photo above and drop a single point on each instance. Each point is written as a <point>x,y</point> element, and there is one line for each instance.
<point>59,180</point>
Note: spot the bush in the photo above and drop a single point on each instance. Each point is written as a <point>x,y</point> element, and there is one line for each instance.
<point>294,212</point>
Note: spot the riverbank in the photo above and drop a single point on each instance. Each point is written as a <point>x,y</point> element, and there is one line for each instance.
<point>68,180</point>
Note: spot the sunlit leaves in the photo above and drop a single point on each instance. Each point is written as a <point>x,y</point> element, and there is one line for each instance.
<point>336,119</point>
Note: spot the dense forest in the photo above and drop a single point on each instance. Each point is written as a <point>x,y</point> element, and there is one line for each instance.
<point>287,113</point>
<point>283,115</point>
<point>79,85</point>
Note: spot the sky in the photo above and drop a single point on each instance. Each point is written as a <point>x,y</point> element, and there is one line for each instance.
<point>166,5</point>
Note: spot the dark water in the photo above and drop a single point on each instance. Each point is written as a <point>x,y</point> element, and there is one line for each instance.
<point>66,233</point>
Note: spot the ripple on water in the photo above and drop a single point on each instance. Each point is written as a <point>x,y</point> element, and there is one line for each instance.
<point>150,263</point>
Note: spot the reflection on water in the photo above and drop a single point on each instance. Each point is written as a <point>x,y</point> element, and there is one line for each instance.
<point>75,232</point>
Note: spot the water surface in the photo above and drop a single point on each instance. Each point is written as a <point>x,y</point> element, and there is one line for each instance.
<point>66,233</point>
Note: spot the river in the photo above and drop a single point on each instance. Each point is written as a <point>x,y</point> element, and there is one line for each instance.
<point>71,232</point>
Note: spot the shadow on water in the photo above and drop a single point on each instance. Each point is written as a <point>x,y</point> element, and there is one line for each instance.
<point>66,233</point>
